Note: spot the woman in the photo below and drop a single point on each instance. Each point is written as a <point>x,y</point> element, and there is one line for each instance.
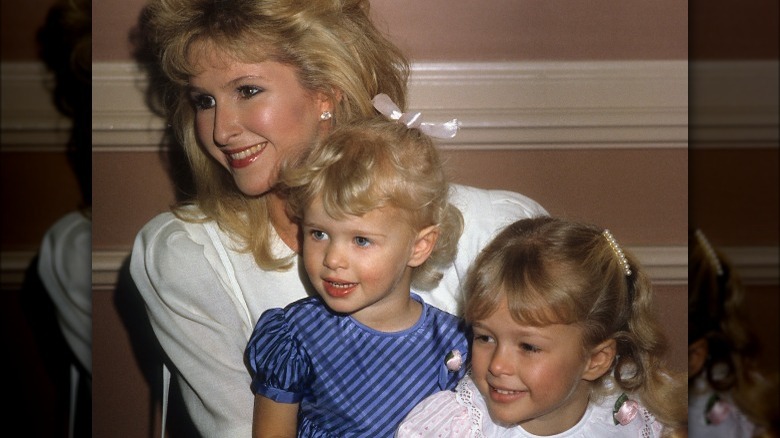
<point>259,83</point>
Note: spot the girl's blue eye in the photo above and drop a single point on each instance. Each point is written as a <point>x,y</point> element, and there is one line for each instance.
<point>318,235</point>
<point>247,91</point>
<point>203,101</point>
<point>362,242</point>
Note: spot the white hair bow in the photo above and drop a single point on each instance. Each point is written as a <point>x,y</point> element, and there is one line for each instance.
<point>389,109</point>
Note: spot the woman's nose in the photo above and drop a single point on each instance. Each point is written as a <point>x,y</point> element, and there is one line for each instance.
<point>226,125</point>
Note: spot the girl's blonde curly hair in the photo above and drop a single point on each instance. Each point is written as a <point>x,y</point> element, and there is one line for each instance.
<point>378,163</point>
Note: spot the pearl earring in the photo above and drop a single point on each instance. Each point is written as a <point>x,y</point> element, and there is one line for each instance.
<point>326,115</point>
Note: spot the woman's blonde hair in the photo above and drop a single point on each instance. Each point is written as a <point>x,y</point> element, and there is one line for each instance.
<point>378,163</point>
<point>333,46</point>
<point>553,271</point>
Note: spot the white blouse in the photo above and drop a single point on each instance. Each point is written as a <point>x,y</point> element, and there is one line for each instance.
<point>463,414</point>
<point>65,268</point>
<point>203,298</point>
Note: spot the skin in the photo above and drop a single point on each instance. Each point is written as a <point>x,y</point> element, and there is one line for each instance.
<point>361,266</point>
<point>250,117</point>
<point>535,377</point>
<point>274,420</point>
<point>697,356</point>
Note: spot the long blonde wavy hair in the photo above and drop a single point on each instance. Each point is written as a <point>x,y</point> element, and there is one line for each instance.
<point>333,46</point>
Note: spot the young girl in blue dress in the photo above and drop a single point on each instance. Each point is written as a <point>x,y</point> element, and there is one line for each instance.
<point>357,357</point>
<point>565,343</point>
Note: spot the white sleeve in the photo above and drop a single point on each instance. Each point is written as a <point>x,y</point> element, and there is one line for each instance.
<point>65,268</point>
<point>485,213</point>
<point>438,414</point>
<point>197,322</point>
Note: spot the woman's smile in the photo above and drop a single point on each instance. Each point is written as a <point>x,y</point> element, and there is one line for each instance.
<point>245,157</point>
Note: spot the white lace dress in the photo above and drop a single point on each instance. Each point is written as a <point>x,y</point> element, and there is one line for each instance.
<point>714,415</point>
<point>463,413</point>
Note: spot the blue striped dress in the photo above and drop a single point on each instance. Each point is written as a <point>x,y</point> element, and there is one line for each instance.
<point>351,380</point>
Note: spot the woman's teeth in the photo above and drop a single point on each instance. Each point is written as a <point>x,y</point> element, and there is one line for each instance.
<point>247,152</point>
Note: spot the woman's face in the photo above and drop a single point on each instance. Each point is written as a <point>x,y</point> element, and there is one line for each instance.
<point>251,117</point>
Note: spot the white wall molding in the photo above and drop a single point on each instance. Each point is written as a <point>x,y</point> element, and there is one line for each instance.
<point>28,119</point>
<point>756,265</point>
<point>501,105</point>
<point>666,265</point>
<point>13,265</point>
<point>734,104</point>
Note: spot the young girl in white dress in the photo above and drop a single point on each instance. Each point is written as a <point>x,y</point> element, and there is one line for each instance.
<point>729,395</point>
<point>565,343</point>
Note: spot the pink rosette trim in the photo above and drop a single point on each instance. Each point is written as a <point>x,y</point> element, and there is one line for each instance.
<point>625,410</point>
<point>453,360</point>
<point>718,411</point>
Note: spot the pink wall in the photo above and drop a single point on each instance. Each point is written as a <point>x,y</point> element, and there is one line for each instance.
<point>442,30</point>
<point>475,30</point>
<point>19,20</point>
<point>436,30</point>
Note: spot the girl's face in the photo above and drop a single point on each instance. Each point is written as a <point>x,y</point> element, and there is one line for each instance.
<point>530,376</point>
<point>360,265</point>
<point>250,117</point>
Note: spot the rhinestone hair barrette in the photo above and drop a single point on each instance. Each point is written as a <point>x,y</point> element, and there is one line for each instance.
<point>389,109</point>
<point>710,252</point>
<point>618,252</point>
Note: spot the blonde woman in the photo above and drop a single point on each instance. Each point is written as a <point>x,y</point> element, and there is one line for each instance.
<point>255,83</point>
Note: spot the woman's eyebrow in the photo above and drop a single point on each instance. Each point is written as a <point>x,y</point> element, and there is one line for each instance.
<point>227,85</point>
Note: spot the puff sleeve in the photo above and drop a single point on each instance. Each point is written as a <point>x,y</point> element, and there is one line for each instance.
<point>279,364</point>
<point>438,414</point>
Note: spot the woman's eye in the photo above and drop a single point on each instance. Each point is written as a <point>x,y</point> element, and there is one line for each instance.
<point>203,101</point>
<point>247,91</point>
<point>362,242</point>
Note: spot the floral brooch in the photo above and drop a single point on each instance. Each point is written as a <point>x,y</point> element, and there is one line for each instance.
<point>453,360</point>
<point>625,410</point>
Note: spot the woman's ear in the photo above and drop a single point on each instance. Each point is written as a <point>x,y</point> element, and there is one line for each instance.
<point>697,356</point>
<point>423,245</point>
<point>600,360</point>
<point>328,101</point>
